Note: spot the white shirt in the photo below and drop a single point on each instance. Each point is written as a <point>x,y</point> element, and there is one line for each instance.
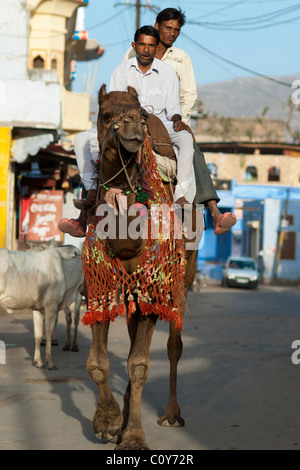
<point>157,88</point>
<point>181,62</point>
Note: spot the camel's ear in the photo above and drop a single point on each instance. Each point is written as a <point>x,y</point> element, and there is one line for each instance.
<point>102,93</point>
<point>132,91</point>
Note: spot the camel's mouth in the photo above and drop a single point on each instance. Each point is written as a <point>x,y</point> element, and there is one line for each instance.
<point>132,144</point>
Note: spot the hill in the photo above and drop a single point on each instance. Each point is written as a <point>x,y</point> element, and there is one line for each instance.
<point>248,97</point>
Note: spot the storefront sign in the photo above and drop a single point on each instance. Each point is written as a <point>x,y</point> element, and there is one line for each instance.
<point>45,211</point>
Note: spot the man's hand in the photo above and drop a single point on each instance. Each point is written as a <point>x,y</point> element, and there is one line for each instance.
<point>178,124</point>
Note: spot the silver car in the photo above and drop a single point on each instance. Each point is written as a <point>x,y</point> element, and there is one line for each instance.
<point>240,271</point>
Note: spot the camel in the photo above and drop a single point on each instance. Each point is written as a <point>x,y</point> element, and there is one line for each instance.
<point>121,135</point>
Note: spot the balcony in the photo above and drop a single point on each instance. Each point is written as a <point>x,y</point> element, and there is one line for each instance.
<point>75,111</point>
<point>47,76</point>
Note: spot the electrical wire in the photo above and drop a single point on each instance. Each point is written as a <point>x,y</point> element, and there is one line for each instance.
<point>251,23</point>
<point>235,64</point>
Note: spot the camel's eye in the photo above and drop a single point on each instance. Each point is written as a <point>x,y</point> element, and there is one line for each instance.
<point>107,117</point>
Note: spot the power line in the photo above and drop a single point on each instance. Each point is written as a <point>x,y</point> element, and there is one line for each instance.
<point>234,64</point>
<point>138,8</point>
<point>251,23</point>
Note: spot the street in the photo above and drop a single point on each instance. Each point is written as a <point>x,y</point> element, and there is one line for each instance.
<point>237,385</point>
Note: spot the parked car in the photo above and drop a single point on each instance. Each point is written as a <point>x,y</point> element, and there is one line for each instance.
<point>240,271</point>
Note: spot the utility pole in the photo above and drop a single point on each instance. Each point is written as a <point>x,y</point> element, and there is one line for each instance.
<point>281,235</point>
<point>138,14</point>
<point>138,5</point>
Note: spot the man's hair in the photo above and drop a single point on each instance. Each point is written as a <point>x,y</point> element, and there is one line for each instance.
<point>169,14</point>
<point>148,31</point>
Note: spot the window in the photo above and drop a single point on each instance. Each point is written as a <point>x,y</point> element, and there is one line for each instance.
<point>251,173</point>
<point>289,220</point>
<point>274,174</point>
<point>38,62</point>
<point>289,246</point>
<point>53,64</point>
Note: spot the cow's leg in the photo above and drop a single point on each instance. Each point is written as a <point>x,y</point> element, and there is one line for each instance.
<point>50,317</point>
<point>172,411</point>
<point>78,302</point>
<point>108,419</point>
<point>54,341</point>
<point>133,437</point>
<point>38,324</point>
<point>68,316</point>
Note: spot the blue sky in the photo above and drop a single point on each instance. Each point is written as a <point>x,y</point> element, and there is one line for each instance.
<point>261,35</point>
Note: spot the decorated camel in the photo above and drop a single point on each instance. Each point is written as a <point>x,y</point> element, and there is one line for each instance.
<point>145,278</point>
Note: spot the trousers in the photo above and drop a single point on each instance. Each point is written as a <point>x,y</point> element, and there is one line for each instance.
<point>184,149</point>
<point>195,174</point>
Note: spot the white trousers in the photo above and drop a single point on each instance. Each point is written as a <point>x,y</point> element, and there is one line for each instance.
<point>86,149</point>
<point>184,149</point>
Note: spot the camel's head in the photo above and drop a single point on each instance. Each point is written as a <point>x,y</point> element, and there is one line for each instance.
<point>120,115</point>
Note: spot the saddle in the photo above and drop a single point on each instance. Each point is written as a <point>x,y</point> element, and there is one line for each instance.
<point>163,148</point>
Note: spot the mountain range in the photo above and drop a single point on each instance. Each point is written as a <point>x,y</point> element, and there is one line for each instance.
<point>248,97</point>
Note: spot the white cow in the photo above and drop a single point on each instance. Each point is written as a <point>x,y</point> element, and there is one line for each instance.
<point>67,251</point>
<point>43,281</point>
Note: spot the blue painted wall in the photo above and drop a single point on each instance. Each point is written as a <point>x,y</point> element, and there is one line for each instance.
<point>269,199</point>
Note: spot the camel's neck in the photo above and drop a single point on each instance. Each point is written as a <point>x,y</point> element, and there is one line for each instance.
<point>125,245</point>
<point>119,172</point>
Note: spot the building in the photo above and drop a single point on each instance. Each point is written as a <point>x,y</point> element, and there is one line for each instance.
<point>272,236</point>
<point>258,198</point>
<point>41,40</point>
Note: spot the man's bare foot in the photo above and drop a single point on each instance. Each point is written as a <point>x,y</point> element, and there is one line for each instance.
<point>71,226</point>
<point>224,223</point>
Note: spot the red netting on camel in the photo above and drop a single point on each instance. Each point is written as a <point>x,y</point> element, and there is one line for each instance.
<point>156,285</point>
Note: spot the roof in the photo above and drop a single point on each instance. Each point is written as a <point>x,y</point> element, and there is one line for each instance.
<point>249,147</point>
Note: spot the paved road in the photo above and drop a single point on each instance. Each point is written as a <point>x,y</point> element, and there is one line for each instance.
<point>238,388</point>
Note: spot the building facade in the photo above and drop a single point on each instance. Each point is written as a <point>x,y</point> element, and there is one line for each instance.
<point>39,113</point>
<point>253,180</point>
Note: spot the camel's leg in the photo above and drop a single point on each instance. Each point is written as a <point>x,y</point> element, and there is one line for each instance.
<point>108,419</point>
<point>172,411</point>
<point>133,437</point>
<point>132,329</point>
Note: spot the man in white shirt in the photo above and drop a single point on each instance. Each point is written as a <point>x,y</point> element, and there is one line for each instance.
<point>169,23</point>
<point>158,90</point>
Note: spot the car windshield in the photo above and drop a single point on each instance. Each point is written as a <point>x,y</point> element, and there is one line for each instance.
<point>240,264</point>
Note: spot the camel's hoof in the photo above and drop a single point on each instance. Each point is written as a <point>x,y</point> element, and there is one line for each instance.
<point>107,436</point>
<point>177,422</point>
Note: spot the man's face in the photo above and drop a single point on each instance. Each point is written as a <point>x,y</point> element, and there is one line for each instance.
<point>145,49</point>
<point>168,32</point>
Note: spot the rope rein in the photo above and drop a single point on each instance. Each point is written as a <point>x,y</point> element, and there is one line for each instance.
<point>114,125</point>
